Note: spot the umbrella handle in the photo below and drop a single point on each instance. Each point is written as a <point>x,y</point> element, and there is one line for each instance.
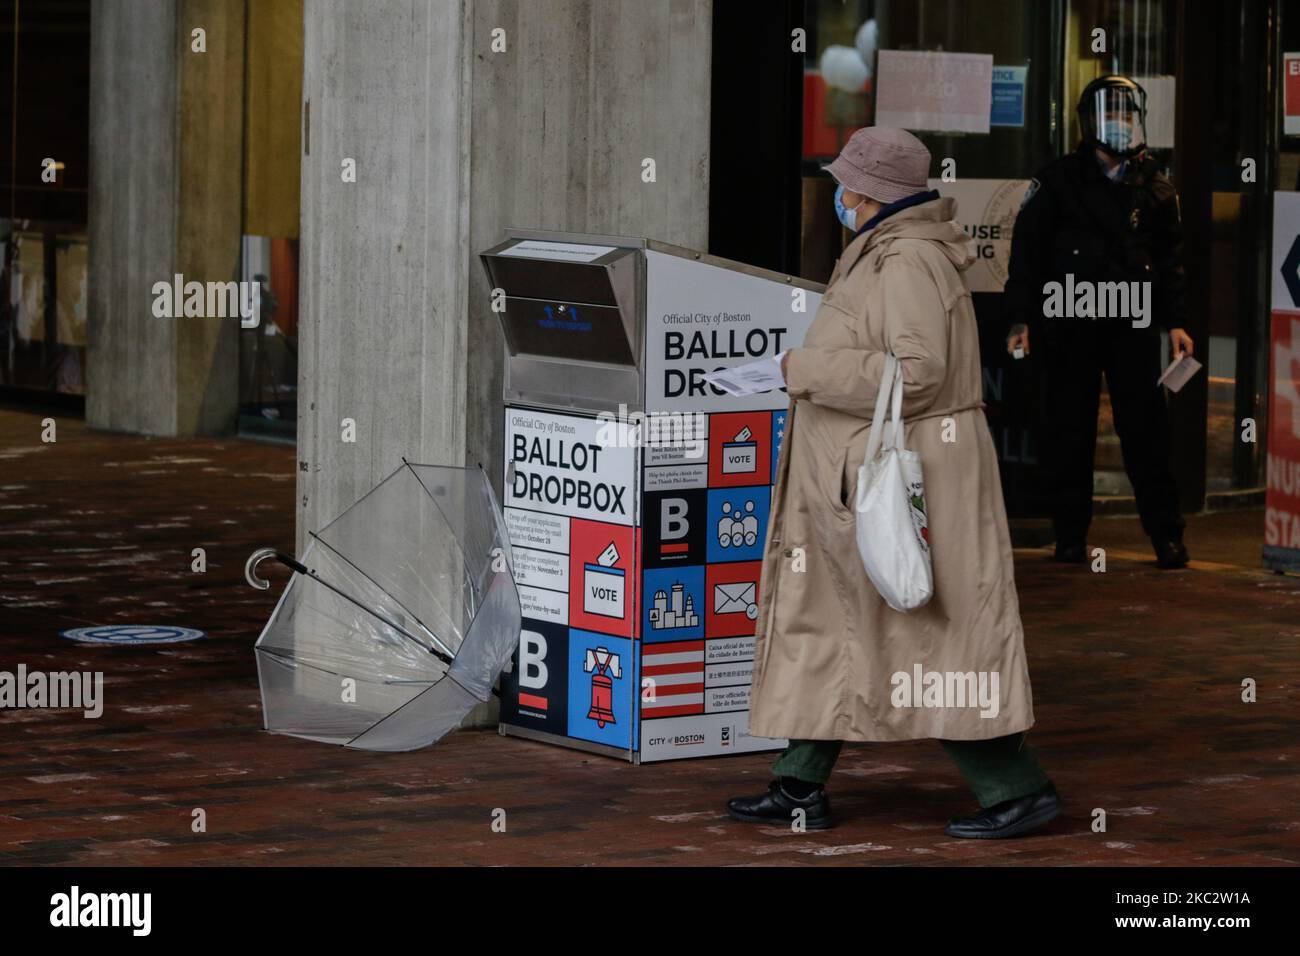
<point>262,554</point>
<point>288,561</point>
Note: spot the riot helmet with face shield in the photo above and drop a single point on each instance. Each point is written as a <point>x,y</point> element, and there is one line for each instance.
<point>1112,116</point>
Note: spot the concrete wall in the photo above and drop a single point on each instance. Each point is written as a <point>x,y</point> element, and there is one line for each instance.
<point>272,118</point>
<point>453,144</point>
<point>131,356</point>
<point>165,184</point>
<point>562,120</point>
<point>211,165</point>
<point>385,262</point>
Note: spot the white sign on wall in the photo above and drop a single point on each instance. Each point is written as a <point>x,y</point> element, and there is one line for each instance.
<point>1286,246</point>
<point>701,318</point>
<point>986,210</point>
<point>940,92</point>
<point>1161,109</point>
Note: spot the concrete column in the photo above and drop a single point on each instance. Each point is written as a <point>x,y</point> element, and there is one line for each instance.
<point>453,143</point>
<point>384,260</point>
<point>131,356</point>
<point>563,119</point>
<point>210,211</point>
<point>165,175</point>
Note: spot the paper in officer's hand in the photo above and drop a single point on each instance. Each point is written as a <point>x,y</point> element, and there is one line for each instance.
<point>1179,373</point>
<point>761,376</point>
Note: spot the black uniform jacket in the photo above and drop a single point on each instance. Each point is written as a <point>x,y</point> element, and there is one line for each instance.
<point>1076,221</point>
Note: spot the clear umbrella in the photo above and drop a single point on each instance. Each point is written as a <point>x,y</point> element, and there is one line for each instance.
<point>399,617</point>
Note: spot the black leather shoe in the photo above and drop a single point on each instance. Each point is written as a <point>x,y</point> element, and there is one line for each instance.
<point>1010,817</point>
<point>1071,552</point>
<point>777,807</point>
<point>1171,553</point>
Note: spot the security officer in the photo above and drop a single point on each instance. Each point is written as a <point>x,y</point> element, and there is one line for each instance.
<point>1103,213</point>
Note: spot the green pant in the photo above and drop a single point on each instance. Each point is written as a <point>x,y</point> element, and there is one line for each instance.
<point>998,769</point>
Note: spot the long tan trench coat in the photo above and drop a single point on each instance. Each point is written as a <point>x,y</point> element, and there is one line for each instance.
<point>828,651</point>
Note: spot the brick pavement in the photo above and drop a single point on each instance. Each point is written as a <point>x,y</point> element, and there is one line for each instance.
<point>1136,686</point>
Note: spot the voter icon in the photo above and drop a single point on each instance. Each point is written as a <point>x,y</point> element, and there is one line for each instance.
<point>603,585</point>
<point>738,526</point>
<point>737,522</point>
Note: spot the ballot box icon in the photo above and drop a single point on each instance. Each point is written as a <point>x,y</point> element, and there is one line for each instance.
<point>604,587</point>
<point>740,455</point>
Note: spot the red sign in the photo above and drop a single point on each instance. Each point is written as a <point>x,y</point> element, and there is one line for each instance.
<point>1282,464</point>
<point>740,448</point>
<point>1282,497</point>
<point>731,598</point>
<point>1291,94</point>
<point>602,588</point>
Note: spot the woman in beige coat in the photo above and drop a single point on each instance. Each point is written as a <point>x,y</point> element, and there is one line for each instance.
<point>832,661</point>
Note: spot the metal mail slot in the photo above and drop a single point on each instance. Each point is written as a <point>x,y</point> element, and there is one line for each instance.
<point>566,330</point>
<point>570,318</point>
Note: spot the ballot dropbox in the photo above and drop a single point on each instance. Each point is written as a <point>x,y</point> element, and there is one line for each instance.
<point>635,494</point>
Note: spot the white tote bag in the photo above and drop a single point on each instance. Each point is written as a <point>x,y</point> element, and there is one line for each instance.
<point>892,531</point>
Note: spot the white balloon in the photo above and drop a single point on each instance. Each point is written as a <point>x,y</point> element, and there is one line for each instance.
<point>842,69</point>
<point>865,41</point>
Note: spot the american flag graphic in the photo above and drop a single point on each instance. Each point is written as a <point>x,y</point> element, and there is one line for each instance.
<point>677,669</point>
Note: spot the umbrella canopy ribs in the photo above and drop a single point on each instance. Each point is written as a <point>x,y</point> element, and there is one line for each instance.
<point>399,617</point>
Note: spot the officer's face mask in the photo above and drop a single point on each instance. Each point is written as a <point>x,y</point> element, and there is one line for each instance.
<point>847,216</point>
<point>1113,118</point>
<point>1117,134</point>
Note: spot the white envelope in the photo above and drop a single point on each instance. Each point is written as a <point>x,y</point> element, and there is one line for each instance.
<point>761,376</point>
<point>734,598</point>
<point>1179,373</point>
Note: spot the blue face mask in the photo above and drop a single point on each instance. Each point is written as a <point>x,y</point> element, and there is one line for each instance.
<point>849,217</point>
<point>1118,136</point>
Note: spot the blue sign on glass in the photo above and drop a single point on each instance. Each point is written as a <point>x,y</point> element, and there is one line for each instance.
<point>1008,96</point>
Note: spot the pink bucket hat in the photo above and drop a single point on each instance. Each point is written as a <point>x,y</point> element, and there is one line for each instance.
<point>882,163</point>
